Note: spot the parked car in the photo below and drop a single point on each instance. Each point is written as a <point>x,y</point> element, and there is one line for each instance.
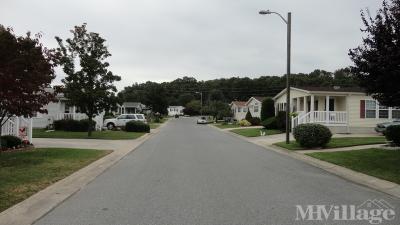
<point>381,127</point>
<point>121,120</point>
<point>202,120</point>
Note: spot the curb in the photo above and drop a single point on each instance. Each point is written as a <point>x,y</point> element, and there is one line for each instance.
<point>384,186</point>
<point>38,205</point>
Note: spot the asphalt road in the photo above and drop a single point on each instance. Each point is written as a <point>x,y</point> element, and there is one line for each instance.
<point>195,174</point>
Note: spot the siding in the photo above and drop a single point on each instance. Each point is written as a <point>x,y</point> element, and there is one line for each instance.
<point>354,113</point>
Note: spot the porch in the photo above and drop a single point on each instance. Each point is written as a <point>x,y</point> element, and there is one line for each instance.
<point>330,110</point>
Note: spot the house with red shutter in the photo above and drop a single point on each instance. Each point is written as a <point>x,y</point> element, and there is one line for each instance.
<point>342,109</point>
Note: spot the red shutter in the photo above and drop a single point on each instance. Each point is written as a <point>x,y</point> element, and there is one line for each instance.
<point>362,108</point>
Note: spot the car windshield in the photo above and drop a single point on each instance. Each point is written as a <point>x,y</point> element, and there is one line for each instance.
<point>203,118</point>
<point>140,117</point>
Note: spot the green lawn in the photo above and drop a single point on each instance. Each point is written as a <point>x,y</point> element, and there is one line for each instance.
<point>108,134</point>
<point>338,142</point>
<point>379,163</point>
<point>254,132</point>
<point>226,126</point>
<point>22,174</point>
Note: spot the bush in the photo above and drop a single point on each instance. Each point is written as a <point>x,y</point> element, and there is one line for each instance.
<point>137,126</point>
<point>9,141</point>
<point>393,134</point>
<point>267,109</point>
<point>244,123</point>
<point>73,125</point>
<point>312,135</point>
<point>255,121</point>
<point>270,123</point>
<point>248,116</point>
<point>281,121</point>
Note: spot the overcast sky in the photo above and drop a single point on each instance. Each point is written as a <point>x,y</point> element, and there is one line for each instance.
<point>161,40</point>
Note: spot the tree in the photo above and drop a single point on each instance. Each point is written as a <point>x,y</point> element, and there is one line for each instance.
<point>156,97</point>
<point>192,108</point>
<point>26,70</point>
<point>218,110</point>
<point>267,109</point>
<point>185,98</point>
<point>377,59</point>
<point>248,116</point>
<point>89,86</point>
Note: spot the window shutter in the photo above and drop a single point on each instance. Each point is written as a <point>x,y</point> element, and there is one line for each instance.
<point>362,109</point>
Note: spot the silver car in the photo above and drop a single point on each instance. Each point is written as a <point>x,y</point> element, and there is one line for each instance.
<point>202,120</point>
<point>381,127</point>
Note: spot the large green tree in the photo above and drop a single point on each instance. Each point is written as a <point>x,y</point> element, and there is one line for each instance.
<point>26,70</point>
<point>267,109</point>
<point>89,84</point>
<point>377,59</point>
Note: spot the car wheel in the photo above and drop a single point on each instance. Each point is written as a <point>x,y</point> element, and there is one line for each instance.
<point>110,126</point>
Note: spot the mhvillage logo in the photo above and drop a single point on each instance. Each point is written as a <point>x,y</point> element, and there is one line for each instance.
<point>374,211</point>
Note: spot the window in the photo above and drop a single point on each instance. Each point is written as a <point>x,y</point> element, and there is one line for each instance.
<point>383,112</point>
<point>239,109</point>
<point>245,109</point>
<point>370,109</point>
<point>140,117</point>
<point>122,117</point>
<point>396,112</point>
<point>132,117</point>
<point>256,108</point>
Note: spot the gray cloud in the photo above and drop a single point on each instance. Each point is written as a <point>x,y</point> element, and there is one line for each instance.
<point>161,40</point>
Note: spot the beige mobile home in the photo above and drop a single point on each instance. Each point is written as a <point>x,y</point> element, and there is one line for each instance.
<point>343,110</point>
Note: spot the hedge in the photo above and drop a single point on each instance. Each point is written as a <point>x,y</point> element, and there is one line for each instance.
<point>312,135</point>
<point>9,141</point>
<point>73,125</point>
<point>393,134</point>
<point>137,126</point>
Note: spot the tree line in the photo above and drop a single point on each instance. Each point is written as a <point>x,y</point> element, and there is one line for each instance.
<point>183,90</point>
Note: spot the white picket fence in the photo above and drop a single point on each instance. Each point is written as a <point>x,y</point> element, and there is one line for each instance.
<point>18,126</point>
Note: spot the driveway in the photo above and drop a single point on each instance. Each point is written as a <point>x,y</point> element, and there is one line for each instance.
<point>194,174</point>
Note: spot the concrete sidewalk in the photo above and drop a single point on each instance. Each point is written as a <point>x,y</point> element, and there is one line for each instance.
<point>33,208</point>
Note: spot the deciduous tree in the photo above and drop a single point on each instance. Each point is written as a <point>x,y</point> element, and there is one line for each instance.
<point>26,70</point>
<point>89,84</point>
<point>377,59</point>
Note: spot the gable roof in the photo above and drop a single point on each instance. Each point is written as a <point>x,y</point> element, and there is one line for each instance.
<point>259,98</point>
<point>238,103</point>
<point>310,90</point>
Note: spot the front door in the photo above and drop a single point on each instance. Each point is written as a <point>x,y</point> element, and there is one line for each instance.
<point>331,104</point>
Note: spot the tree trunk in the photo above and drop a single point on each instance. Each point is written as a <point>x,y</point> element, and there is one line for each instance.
<point>90,127</point>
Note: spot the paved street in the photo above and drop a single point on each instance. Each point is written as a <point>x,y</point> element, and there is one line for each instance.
<point>194,174</point>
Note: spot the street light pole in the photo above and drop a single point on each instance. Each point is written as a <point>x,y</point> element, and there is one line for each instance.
<point>289,36</point>
<point>201,102</point>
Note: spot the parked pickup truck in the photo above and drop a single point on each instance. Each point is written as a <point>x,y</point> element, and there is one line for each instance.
<point>121,120</point>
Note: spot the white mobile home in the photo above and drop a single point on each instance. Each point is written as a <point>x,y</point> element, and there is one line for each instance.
<point>175,110</point>
<point>239,110</point>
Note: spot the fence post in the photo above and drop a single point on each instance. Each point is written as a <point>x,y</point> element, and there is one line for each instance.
<point>16,126</point>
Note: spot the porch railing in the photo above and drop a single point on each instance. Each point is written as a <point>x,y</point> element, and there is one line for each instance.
<point>324,117</point>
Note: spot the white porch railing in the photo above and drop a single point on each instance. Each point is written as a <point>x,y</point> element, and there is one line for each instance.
<point>324,117</point>
<point>18,126</point>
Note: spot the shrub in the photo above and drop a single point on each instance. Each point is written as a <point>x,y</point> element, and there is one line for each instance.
<point>73,125</point>
<point>270,123</point>
<point>312,135</point>
<point>393,134</point>
<point>281,121</point>
<point>244,123</point>
<point>137,126</point>
<point>267,109</point>
<point>9,141</point>
<point>255,121</point>
<point>248,116</point>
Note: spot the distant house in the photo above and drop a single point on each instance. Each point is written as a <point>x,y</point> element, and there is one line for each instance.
<point>175,110</point>
<point>254,105</point>
<point>239,110</point>
<point>61,109</point>
<point>131,107</point>
<point>341,109</point>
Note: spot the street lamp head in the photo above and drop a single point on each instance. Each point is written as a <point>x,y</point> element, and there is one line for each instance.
<point>264,12</point>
